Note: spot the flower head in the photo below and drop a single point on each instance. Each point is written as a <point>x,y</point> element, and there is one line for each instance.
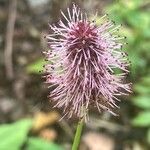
<point>82,58</point>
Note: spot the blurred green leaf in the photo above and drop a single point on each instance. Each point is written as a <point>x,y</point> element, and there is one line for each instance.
<point>146,80</point>
<point>36,66</point>
<point>142,101</point>
<point>128,33</point>
<point>146,33</point>
<point>13,136</point>
<point>40,144</point>
<point>139,20</point>
<point>131,4</point>
<point>142,120</point>
<point>135,63</point>
<point>142,89</point>
<point>116,9</point>
<point>145,46</point>
<point>122,8</point>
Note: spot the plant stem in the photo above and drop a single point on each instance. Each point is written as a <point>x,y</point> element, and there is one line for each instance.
<point>78,135</point>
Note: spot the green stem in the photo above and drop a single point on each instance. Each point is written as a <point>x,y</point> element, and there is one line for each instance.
<point>78,135</point>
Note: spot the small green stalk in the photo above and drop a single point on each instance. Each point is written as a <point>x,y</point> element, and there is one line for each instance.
<point>77,137</point>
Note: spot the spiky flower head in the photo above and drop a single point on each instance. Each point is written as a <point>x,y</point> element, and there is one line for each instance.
<point>82,59</point>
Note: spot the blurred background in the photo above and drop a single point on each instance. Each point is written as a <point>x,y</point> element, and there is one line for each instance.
<point>27,120</point>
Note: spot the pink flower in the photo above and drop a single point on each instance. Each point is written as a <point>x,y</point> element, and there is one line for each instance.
<point>82,59</point>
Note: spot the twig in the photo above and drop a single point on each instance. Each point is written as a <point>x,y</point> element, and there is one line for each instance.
<point>64,125</point>
<point>9,39</point>
<point>95,123</point>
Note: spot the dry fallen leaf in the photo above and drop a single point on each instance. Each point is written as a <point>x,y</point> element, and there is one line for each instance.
<point>48,134</point>
<point>137,146</point>
<point>42,119</point>
<point>97,141</point>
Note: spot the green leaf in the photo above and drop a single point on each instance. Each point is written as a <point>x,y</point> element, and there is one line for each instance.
<point>142,101</point>
<point>142,89</point>
<point>36,66</point>
<point>135,61</point>
<point>142,120</point>
<point>14,135</point>
<point>146,80</point>
<point>139,20</point>
<point>146,33</point>
<point>40,144</point>
<point>116,9</point>
<point>133,4</point>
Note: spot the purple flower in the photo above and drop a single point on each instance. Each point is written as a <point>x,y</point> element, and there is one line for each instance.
<point>82,61</point>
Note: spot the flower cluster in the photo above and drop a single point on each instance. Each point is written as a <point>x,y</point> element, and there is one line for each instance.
<point>82,61</point>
